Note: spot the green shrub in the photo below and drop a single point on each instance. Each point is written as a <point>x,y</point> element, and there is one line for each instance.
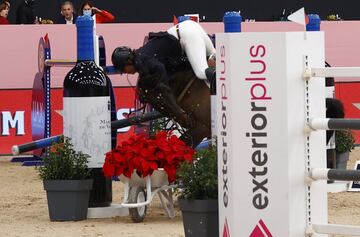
<point>64,163</point>
<point>199,179</point>
<point>344,141</point>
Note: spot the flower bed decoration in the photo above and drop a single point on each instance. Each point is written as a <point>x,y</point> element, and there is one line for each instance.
<point>144,155</point>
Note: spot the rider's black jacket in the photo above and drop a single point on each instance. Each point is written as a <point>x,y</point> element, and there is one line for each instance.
<point>159,58</point>
<point>155,62</point>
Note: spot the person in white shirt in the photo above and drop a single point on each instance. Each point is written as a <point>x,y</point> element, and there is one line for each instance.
<point>196,44</point>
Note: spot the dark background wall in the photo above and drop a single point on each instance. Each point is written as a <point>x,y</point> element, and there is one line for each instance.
<point>142,11</point>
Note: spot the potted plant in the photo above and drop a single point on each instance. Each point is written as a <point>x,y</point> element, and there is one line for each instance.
<point>158,156</point>
<point>344,144</point>
<point>198,195</point>
<point>66,180</point>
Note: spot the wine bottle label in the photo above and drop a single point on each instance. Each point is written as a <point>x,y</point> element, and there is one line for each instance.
<point>87,122</point>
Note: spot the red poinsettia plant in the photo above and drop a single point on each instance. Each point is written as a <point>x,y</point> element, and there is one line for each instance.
<point>144,155</point>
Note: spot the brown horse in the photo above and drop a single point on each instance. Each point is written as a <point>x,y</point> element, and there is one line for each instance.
<point>193,96</point>
<point>193,102</point>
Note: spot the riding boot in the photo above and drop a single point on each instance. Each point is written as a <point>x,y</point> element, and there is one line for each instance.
<point>163,100</point>
<point>210,73</point>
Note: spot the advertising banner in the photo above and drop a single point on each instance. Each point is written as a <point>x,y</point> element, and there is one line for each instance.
<point>261,117</point>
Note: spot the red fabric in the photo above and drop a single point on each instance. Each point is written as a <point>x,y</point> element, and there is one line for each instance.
<point>175,20</point>
<point>4,21</point>
<point>104,17</point>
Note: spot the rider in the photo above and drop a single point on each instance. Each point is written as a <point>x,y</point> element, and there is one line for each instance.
<point>162,55</point>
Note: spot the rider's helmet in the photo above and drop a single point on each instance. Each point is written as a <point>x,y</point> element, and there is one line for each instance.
<point>121,57</point>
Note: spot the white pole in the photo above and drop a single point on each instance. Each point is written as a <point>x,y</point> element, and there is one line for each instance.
<point>337,229</point>
<point>319,124</point>
<point>319,173</point>
<point>336,72</point>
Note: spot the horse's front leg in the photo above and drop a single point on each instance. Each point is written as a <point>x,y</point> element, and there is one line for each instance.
<point>162,99</point>
<point>195,135</point>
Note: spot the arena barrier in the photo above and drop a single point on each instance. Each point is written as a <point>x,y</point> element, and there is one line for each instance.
<point>270,132</point>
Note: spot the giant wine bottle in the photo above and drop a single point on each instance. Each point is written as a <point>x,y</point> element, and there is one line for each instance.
<point>86,111</point>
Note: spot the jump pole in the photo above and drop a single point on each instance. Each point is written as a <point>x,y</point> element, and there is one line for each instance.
<point>70,63</point>
<point>46,142</point>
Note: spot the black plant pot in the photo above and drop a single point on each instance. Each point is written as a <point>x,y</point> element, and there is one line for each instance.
<point>68,199</point>
<point>342,159</point>
<point>200,217</point>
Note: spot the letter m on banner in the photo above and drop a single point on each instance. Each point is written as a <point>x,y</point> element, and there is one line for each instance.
<point>13,122</point>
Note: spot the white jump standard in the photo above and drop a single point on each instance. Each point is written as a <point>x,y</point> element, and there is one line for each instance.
<point>271,142</point>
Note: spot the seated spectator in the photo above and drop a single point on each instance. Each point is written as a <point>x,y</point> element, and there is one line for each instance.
<point>67,13</point>
<point>25,12</point>
<point>7,2</point>
<point>102,16</point>
<point>4,12</point>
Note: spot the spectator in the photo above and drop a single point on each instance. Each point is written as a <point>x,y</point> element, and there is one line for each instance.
<point>7,2</point>
<point>4,12</point>
<point>102,16</point>
<point>25,12</point>
<point>67,13</point>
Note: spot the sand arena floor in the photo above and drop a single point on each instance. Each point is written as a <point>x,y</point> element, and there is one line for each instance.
<point>23,210</point>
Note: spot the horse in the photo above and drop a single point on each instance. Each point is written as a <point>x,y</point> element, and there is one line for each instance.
<point>193,98</point>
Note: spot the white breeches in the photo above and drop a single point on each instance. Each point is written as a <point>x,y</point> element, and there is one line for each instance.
<point>196,44</point>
